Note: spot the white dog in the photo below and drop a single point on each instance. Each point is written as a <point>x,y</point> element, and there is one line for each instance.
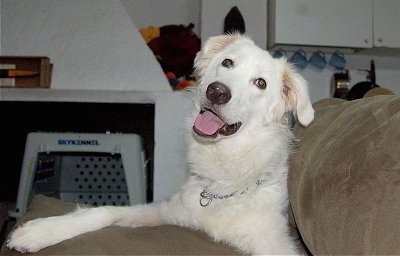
<point>237,154</point>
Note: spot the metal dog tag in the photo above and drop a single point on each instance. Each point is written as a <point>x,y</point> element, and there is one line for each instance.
<point>205,198</point>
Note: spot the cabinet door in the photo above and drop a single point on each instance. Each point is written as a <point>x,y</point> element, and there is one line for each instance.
<point>386,23</point>
<point>337,23</point>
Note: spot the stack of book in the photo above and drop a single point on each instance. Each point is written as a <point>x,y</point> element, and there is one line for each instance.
<point>25,72</point>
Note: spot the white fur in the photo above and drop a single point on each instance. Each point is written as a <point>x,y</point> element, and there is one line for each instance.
<point>254,219</point>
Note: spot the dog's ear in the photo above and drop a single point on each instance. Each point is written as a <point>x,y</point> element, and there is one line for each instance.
<point>212,46</point>
<point>295,95</point>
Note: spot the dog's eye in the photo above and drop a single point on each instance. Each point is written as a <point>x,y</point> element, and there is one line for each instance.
<point>228,63</point>
<point>260,83</point>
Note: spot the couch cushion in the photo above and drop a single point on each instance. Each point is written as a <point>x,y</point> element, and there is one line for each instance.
<point>161,240</point>
<point>344,178</point>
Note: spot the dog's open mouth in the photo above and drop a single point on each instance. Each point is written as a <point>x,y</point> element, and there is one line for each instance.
<point>209,124</point>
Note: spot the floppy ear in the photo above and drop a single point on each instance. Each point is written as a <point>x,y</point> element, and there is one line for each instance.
<point>295,94</point>
<point>212,46</point>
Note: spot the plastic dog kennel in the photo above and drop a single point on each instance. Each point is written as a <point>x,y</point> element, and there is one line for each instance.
<point>94,169</point>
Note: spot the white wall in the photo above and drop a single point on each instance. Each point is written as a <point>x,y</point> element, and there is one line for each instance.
<point>92,44</point>
<point>145,13</point>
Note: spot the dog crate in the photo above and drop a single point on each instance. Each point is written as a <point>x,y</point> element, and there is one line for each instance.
<point>87,168</point>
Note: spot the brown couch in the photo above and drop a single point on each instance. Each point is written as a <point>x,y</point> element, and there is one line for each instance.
<point>344,187</point>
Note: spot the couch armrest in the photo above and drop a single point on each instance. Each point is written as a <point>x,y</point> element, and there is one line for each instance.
<point>344,178</point>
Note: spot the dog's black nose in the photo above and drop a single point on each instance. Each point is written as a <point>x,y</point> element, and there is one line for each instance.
<point>218,93</point>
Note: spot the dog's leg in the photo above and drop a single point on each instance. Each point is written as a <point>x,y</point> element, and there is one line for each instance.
<point>39,233</point>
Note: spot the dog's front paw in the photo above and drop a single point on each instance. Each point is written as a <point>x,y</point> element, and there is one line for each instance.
<point>32,236</point>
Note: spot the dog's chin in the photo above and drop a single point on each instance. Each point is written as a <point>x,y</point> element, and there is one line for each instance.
<point>206,139</point>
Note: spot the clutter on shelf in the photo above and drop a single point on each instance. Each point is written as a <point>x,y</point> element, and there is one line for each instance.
<point>25,71</point>
<point>175,47</point>
<point>341,85</point>
<point>367,88</point>
<point>318,59</point>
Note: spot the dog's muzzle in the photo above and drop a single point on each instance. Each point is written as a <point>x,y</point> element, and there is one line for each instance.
<point>208,123</point>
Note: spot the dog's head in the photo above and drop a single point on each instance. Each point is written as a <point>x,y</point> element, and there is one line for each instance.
<point>240,85</point>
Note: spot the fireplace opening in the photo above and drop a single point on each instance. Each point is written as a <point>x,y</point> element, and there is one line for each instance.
<point>21,117</point>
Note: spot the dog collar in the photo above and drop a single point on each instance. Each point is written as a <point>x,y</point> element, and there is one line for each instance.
<point>206,197</point>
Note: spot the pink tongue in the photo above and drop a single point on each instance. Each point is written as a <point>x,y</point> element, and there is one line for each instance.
<point>208,123</point>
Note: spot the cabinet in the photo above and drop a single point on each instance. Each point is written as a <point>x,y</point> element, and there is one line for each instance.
<point>350,24</point>
<point>386,16</point>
